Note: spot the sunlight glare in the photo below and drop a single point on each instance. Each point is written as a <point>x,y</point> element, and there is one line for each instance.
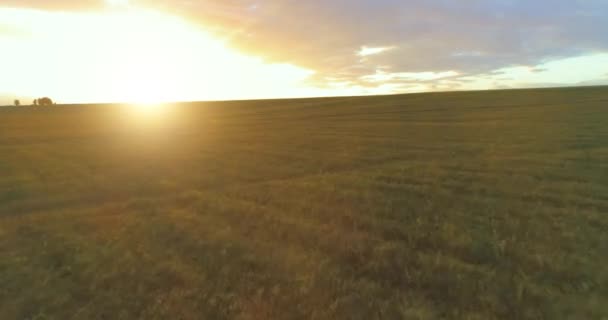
<point>132,55</point>
<point>149,107</point>
<point>118,2</point>
<point>144,117</point>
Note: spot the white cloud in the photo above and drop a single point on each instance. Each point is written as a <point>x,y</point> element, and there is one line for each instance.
<point>369,51</point>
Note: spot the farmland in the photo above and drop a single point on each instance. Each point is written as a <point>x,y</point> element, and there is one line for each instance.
<point>463,205</point>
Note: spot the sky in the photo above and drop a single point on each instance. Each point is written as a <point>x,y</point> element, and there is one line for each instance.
<point>179,50</point>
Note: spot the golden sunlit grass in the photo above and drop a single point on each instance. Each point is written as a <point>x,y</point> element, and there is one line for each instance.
<point>483,205</point>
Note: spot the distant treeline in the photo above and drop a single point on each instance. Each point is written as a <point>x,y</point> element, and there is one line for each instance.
<point>45,101</point>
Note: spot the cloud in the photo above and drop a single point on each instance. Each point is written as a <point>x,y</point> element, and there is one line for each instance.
<point>538,69</point>
<point>468,54</point>
<point>469,37</point>
<point>381,76</point>
<point>368,51</point>
<point>588,69</point>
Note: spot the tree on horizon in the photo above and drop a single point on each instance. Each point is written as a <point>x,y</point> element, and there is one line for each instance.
<point>46,101</point>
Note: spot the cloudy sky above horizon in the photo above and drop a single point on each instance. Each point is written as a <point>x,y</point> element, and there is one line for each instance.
<point>109,50</point>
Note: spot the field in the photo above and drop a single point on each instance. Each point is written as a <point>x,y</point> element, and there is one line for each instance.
<point>463,205</point>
